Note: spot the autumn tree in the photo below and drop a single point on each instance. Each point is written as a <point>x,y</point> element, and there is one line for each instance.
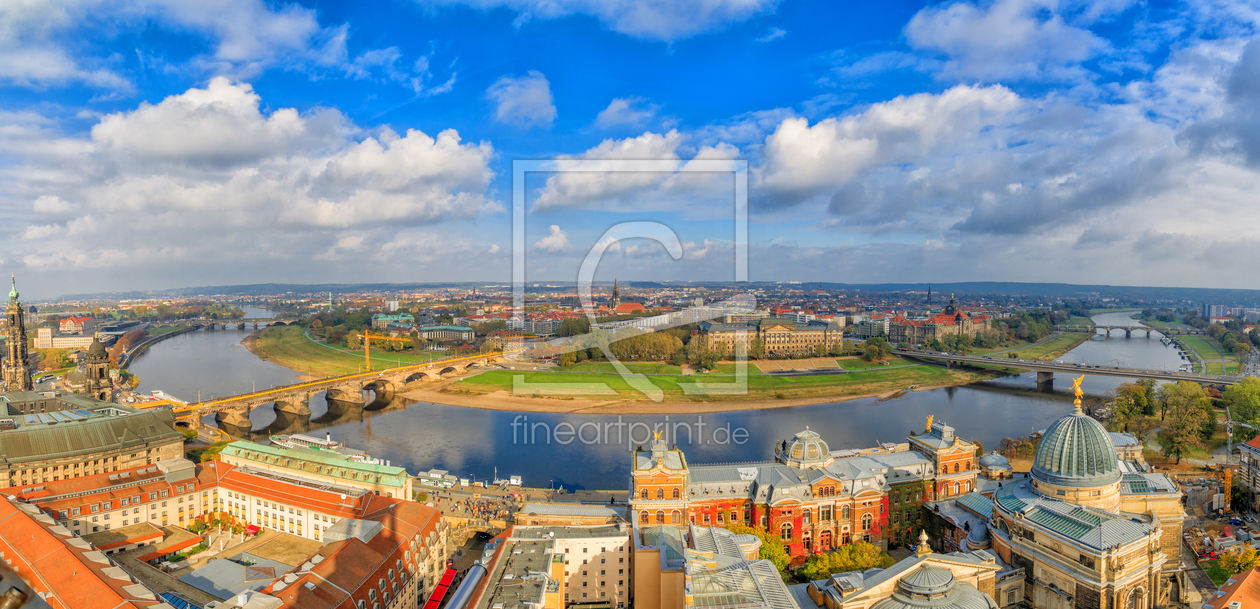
<point>1185,405</point>
<point>858,556</point>
<point>1243,401</point>
<point>772,548</point>
<point>1238,559</point>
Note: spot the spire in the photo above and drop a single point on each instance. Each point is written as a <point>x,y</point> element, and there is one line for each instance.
<point>13,293</point>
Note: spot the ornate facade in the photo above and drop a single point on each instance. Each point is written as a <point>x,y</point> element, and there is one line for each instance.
<point>1089,531</point>
<point>96,369</point>
<point>813,498</point>
<point>780,337</point>
<point>951,321</point>
<point>15,370</point>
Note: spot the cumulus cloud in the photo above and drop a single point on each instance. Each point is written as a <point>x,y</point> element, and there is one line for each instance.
<point>659,20</point>
<point>1236,131</point>
<point>801,161</point>
<point>624,186</point>
<point>208,175</point>
<point>1008,39</point>
<point>626,111</point>
<point>524,101</point>
<point>555,242</point>
<point>245,37</point>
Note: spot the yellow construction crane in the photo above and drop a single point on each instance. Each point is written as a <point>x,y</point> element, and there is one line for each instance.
<point>367,345</point>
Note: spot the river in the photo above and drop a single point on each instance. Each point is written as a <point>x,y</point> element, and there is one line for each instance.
<point>473,442</point>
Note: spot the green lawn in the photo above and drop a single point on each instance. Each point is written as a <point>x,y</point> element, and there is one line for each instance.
<point>1118,310</point>
<point>160,330</point>
<point>1077,320</point>
<point>1213,569</point>
<point>759,386</point>
<point>1163,324</point>
<point>729,368</point>
<point>639,368</point>
<point>1052,348</point>
<point>286,346</point>
<point>1209,349</point>
<point>857,363</point>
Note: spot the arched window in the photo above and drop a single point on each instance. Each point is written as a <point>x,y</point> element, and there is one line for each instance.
<point>660,493</point>
<point>955,468</point>
<point>1135,599</point>
<point>677,493</point>
<point>660,517</point>
<point>676,517</point>
<point>643,517</point>
<point>955,488</point>
<point>866,522</point>
<point>844,513</point>
<point>643,494</point>
<point>785,532</point>
<point>969,466</point>
<point>764,522</point>
<point>807,515</point>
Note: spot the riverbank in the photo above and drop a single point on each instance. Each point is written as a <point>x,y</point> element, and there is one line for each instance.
<point>492,390</point>
<point>289,347</point>
<point>1054,348</point>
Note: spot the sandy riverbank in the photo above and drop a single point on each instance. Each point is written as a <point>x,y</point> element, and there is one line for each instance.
<point>502,400</point>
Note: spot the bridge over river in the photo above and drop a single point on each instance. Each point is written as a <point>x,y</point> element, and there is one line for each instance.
<point>292,401</point>
<point>1045,370</point>
<point>1129,331</point>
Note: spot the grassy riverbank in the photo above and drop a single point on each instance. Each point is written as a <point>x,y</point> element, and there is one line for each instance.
<point>1053,348</point>
<point>287,346</point>
<point>1209,350</point>
<point>820,388</point>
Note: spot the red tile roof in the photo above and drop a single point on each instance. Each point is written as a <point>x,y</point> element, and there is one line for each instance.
<point>69,577</point>
<point>1243,587</point>
<point>347,570</point>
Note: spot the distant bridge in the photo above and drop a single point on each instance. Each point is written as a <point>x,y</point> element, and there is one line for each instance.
<point>1045,370</point>
<point>215,324</point>
<point>292,400</point>
<point>1128,330</point>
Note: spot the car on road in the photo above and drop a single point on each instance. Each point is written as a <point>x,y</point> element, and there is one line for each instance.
<point>1237,522</point>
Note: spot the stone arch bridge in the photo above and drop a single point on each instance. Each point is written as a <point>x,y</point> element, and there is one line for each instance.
<point>1129,331</point>
<point>343,392</point>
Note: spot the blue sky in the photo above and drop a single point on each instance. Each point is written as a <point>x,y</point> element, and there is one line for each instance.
<point>163,143</point>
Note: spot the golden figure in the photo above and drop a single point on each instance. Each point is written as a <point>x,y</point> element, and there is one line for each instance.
<point>1076,385</point>
<point>929,424</point>
<point>657,435</point>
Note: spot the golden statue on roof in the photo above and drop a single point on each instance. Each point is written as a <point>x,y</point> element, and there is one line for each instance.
<point>929,424</point>
<point>1076,385</point>
<point>657,435</point>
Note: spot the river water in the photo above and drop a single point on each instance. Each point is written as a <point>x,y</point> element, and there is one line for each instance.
<point>473,443</point>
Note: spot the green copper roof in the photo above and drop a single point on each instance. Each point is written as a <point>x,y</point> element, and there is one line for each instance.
<point>319,462</point>
<point>1076,451</point>
<point>13,293</point>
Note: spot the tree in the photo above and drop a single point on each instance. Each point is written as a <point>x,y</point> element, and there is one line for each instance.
<point>772,548</point>
<point>1129,404</point>
<point>1185,407</point>
<point>1238,559</point>
<point>575,326</point>
<point>858,556</point>
<point>1243,401</point>
<point>568,360</point>
<point>1149,406</point>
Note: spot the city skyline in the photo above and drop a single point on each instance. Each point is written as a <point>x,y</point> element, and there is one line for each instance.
<point>168,145</point>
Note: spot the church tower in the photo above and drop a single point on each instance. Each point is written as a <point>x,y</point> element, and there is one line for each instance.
<point>97,372</point>
<point>15,370</point>
<point>616,296</point>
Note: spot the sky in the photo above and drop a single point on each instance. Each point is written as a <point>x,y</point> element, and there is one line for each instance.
<point>152,144</point>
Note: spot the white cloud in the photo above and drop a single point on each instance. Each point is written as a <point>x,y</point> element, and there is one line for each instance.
<point>39,39</point>
<point>555,242</point>
<point>1008,39</point>
<point>524,101</point>
<point>208,176</point>
<point>800,161</point>
<point>626,111</point>
<point>775,33</point>
<point>661,20</point>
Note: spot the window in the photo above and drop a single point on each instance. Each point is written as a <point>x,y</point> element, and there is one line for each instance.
<point>660,493</point>
<point>675,517</point>
<point>866,522</point>
<point>844,513</point>
<point>660,519</point>
<point>643,516</point>
<point>785,532</point>
<point>677,494</point>
<point>643,494</point>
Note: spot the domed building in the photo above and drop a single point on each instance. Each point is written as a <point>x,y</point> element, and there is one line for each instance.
<point>995,467</point>
<point>806,449</point>
<point>96,368</point>
<point>1090,531</point>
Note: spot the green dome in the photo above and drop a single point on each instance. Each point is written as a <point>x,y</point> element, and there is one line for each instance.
<point>1076,452</point>
<point>13,293</point>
